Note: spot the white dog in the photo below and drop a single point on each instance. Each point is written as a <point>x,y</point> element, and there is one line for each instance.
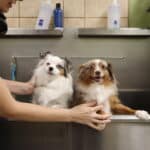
<point>53,82</point>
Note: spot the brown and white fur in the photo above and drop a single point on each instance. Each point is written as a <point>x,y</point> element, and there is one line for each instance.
<point>97,82</point>
<point>53,82</point>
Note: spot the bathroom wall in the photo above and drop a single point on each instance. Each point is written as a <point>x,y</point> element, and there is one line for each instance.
<point>139,16</point>
<point>77,13</point>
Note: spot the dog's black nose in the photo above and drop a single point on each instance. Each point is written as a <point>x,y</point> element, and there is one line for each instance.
<point>97,73</point>
<point>50,68</point>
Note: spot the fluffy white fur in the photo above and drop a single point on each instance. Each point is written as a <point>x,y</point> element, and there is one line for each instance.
<point>142,114</point>
<point>98,92</point>
<point>52,88</point>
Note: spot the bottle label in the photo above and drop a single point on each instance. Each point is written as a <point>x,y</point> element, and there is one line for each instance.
<point>115,22</point>
<point>41,21</point>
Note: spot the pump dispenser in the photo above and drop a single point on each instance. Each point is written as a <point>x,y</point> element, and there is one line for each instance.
<point>45,15</point>
<point>114,15</point>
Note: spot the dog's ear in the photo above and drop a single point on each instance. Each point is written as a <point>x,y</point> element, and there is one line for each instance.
<point>81,67</point>
<point>44,54</point>
<point>110,71</point>
<point>42,57</point>
<point>68,67</point>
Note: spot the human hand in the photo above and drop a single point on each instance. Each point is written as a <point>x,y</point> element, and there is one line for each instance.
<point>87,114</point>
<point>20,88</point>
<point>27,88</point>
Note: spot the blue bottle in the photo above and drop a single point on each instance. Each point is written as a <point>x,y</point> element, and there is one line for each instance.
<point>13,69</point>
<point>58,17</point>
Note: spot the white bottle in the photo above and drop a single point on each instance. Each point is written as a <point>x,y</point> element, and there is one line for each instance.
<point>113,21</point>
<point>45,14</point>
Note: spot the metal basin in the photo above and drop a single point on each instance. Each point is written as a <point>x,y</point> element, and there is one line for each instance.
<point>124,132</point>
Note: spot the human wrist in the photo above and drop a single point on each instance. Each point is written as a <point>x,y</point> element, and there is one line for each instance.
<point>67,115</point>
<point>71,116</point>
<point>74,115</point>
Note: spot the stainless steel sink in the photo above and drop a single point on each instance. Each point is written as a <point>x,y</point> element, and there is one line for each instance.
<point>130,58</point>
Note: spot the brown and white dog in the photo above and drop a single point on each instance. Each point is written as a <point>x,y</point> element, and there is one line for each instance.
<point>97,82</point>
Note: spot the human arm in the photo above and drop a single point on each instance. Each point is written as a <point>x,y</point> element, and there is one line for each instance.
<point>21,88</point>
<point>84,114</point>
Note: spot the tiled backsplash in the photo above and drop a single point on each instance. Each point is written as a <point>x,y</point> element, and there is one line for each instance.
<point>77,13</point>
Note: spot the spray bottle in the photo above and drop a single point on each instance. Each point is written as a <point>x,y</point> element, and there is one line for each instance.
<point>114,15</point>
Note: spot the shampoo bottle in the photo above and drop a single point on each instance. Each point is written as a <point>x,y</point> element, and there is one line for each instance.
<point>114,15</point>
<point>58,17</point>
<point>45,15</point>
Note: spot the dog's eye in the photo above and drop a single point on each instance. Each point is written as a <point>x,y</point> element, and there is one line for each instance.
<point>47,64</point>
<point>92,66</point>
<point>88,68</point>
<point>60,67</point>
<point>103,67</point>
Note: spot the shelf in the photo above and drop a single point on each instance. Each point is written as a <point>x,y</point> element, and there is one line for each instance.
<point>123,32</point>
<point>33,33</point>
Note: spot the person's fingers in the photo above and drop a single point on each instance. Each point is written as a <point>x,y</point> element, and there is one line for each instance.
<point>101,126</point>
<point>97,121</point>
<point>98,127</point>
<point>101,121</point>
<point>102,112</point>
<point>103,116</point>
<point>90,103</point>
<point>105,121</point>
<point>94,126</point>
<point>98,108</point>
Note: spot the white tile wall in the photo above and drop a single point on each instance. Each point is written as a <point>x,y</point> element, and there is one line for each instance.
<point>77,13</point>
<point>74,22</point>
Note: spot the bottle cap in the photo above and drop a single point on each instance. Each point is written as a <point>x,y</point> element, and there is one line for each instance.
<point>48,1</point>
<point>115,2</point>
<point>58,5</point>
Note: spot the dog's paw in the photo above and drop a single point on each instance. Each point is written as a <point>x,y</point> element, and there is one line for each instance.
<point>141,114</point>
